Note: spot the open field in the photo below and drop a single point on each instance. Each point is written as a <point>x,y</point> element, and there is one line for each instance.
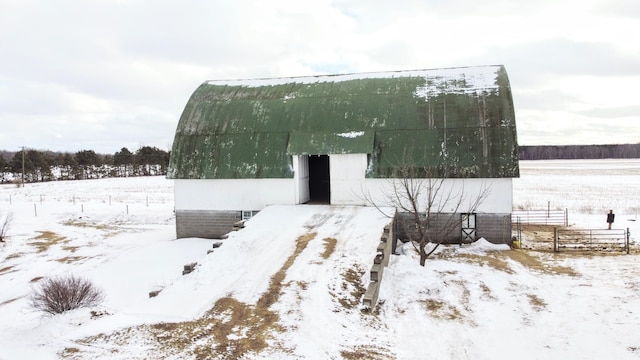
<point>292,290</point>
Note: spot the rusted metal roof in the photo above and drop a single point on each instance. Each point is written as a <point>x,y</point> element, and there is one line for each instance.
<point>249,128</point>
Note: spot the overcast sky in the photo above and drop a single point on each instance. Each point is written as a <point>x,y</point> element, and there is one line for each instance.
<point>107,74</point>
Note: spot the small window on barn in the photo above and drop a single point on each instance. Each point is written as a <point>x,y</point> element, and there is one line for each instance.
<point>248,214</point>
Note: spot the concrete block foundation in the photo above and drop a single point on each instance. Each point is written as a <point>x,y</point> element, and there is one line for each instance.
<point>208,224</point>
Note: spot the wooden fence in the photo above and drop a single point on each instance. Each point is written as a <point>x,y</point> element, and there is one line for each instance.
<point>591,240</point>
<point>541,217</point>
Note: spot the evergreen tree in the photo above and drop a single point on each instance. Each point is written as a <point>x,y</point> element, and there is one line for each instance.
<point>123,159</point>
<point>87,160</point>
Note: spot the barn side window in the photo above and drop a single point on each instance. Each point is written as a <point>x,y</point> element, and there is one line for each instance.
<point>248,214</point>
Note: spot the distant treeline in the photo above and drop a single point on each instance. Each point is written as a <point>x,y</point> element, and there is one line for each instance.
<point>550,152</point>
<point>36,165</point>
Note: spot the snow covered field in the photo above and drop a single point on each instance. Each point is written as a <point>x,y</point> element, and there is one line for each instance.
<point>289,285</point>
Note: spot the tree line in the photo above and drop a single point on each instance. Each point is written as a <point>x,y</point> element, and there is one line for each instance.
<point>37,165</point>
<point>549,152</point>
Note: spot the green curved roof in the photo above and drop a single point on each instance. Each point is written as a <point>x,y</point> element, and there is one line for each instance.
<point>250,128</point>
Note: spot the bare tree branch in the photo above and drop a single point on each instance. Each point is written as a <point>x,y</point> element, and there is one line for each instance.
<point>434,204</point>
<point>5,224</point>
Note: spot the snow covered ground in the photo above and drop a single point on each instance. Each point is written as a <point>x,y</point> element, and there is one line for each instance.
<point>289,285</point>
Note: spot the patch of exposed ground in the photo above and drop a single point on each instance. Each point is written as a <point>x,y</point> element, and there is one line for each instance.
<point>486,292</point>
<point>534,261</point>
<point>109,229</point>
<point>89,224</point>
<point>367,352</point>
<point>493,260</point>
<point>6,270</point>
<point>71,259</point>
<point>536,302</point>
<point>459,311</point>
<point>442,310</point>
<point>329,247</point>
<point>47,239</point>
<point>503,260</point>
<point>9,301</point>
<point>229,330</point>
<point>14,256</point>
<point>350,290</point>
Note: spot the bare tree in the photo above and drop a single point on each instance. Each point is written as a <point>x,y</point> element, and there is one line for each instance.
<point>426,194</point>
<point>5,224</point>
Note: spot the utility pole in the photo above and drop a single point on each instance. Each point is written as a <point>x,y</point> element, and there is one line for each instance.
<point>23,166</point>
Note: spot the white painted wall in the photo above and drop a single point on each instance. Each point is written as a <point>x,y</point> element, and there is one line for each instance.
<point>347,178</point>
<point>499,200</point>
<point>348,187</point>
<point>233,194</point>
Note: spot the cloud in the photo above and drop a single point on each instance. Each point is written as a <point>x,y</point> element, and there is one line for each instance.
<point>612,112</point>
<point>77,70</point>
<point>542,61</point>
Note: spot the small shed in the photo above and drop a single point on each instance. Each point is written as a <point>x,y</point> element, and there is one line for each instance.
<point>241,145</point>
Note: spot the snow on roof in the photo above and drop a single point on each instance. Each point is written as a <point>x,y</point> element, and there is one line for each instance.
<point>473,77</point>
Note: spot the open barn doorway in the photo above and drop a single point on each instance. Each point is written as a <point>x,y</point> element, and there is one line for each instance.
<point>319,179</point>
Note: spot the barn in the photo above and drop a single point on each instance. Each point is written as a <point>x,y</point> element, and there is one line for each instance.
<point>241,145</point>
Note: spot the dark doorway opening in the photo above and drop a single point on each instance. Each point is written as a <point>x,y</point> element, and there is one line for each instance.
<point>319,180</point>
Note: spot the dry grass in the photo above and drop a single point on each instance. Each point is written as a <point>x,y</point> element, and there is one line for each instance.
<point>537,303</point>
<point>486,291</point>
<point>351,288</point>
<point>229,330</point>
<point>87,224</point>
<point>10,301</point>
<point>71,249</point>
<point>442,310</point>
<point>109,229</point>
<point>6,269</point>
<point>533,261</point>
<point>329,247</point>
<point>70,351</point>
<point>366,352</point>
<point>47,239</point>
<point>493,260</point>
<point>502,261</point>
<point>14,256</point>
<point>71,259</point>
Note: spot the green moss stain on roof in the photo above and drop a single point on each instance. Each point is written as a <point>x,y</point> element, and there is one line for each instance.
<point>250,128</point>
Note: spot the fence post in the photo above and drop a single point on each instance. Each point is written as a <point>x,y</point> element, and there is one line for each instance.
<point>627,242</point>
<point>555,239</point>
<point>566,217</point>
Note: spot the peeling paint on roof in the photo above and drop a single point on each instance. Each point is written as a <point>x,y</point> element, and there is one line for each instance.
<point>250,128</point>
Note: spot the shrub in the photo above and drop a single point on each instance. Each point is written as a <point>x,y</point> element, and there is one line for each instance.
<point>59,294</point>
<point>5,224</point>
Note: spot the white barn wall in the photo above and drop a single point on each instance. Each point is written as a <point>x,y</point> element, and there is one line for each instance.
<point>233,194</point>
<point>346,189</point>
<point>499,200</point>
